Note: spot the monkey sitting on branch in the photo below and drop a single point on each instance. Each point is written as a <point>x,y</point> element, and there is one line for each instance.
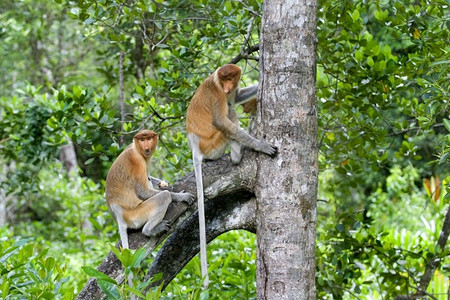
<point>212,124</point>
<point>130,196</point>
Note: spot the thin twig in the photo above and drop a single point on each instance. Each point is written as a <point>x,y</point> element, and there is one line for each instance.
<point>122,97</point>
<point>412,129</point>
<point>246,54</point>
<point>5,140</point>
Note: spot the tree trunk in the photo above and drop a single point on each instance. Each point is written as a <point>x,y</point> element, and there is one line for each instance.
<point>286,188</point>
<point>68,157</point>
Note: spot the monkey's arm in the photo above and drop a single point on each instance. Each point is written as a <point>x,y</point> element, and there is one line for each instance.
<point>246,94</point>
<point>177,197</point>
<point>234,132</point>
<point>143,190</point>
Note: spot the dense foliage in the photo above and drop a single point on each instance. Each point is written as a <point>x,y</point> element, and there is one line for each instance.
<point>383,93</point>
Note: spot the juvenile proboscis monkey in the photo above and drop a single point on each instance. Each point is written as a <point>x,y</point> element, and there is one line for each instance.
<point>130,196</point>
<point>212,124</point>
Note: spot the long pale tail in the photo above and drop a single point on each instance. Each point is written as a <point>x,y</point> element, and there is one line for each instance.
<point>124,238</point>
<point>201,217</point>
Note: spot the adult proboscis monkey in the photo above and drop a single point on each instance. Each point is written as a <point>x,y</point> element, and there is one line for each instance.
<point>212,124</point>
<point>130,197</point>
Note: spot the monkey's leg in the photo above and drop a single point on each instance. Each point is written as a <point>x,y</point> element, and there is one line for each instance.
<point>235,152</point>
<point>118,216</point>
<point>153,211</point>
<point>117,213</point>
<point>235,146</point>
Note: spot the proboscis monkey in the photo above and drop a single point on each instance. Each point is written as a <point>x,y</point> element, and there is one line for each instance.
<point>130,196</point>
<point>212,124</point>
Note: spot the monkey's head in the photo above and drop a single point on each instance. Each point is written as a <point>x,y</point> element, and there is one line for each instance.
<point>229,76</point>
<point>145,142</point>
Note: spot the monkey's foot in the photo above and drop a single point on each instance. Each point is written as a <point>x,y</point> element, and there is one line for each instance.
<point>162,227</point>
<point>183,197</point>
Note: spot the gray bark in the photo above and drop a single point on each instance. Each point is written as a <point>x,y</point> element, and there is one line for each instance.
<point>7,201</point>
<point>286,189</point>
<point>68,157</point>
<point>3,198</point>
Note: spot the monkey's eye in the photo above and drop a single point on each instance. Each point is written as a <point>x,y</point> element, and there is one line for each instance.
<point>142,140</point>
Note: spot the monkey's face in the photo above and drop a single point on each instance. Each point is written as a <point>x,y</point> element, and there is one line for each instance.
<point>229,86</point>
<point>146,142</point>
<point>229,76</point>
<point>148,145</point>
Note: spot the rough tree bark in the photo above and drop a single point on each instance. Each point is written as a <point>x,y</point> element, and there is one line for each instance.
<point>286,189</point>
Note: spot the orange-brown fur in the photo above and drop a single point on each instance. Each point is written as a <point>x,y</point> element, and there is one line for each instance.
<point>129,173</point>
<point>210,100</point>
<point>130,197</point>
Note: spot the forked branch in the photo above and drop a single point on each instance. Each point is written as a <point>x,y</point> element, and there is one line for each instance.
<point>228,205</point>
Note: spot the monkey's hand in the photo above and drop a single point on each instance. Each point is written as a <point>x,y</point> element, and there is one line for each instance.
<point>266,148</point>
<point>183,197</point>
<point>163,185</point>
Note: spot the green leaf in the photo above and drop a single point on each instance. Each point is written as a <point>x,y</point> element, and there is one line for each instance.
<point>140,90</point>
<point>444,159</point>
<point>109,289</point>
<point>125,256</point>
<point>355,15</point>
<point>98,275</point>
<point>76,91</point>
<point>5,288</point>
<point>138,257</point>
<point>89,161</point>
<point>447,124</point>
<point>359,55</point>
<point>330,135</point>
<point>381,15</point>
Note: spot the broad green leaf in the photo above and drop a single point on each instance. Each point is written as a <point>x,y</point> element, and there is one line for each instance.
<point>381,15</point>
<point>98,275</point>
<point>109,289</point>
<point>447,124</point>
<point>76,91</point>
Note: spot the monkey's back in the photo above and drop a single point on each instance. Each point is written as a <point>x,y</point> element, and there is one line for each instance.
<point>199,117</point>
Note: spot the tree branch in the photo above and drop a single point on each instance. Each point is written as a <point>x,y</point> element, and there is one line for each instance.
<point>435,261</point>
<point>122,97</point>
<point>432,263</point>
<point>227,192</point>
<point>225,213</point>
<point>245,54</point>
